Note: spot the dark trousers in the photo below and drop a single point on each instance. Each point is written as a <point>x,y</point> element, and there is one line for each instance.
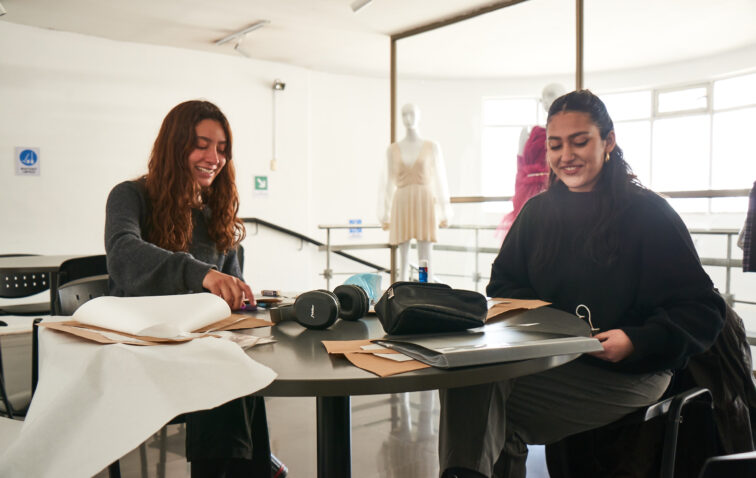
<point>229,440</point>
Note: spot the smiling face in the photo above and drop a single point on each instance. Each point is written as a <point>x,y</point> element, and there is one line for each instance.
<point>208,157</point>
<point>575,150</point>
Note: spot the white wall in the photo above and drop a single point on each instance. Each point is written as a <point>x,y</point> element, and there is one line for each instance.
<point>94,106</point>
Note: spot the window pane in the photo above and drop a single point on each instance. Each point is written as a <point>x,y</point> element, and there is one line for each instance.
<point>513,111</point>
<point>634,137</point>
<point>625,106</point>
<point>738,91</point>
<point>689,205</point>
<point>681,154</point>
<point>682,100</point>
<point>739,204</point>
<point>500,146</point>
<point>733,167</point>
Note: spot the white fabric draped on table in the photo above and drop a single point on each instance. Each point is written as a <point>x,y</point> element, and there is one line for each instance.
<point>95,403</point>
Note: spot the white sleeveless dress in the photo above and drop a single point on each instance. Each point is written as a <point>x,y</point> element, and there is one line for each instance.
<point>413,206</point>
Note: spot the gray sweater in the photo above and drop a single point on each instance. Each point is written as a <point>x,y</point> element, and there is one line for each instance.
<point>138,267</point>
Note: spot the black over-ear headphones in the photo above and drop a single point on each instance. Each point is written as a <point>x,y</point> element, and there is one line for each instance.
<point>319,309</point>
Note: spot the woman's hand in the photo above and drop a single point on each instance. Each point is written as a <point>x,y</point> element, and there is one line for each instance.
<point>617,345</point>
<point>228,288</point>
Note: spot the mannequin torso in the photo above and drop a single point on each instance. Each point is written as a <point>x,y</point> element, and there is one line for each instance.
<point>414,198</point>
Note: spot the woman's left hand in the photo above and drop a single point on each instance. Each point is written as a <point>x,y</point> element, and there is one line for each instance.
<point>617,345</point>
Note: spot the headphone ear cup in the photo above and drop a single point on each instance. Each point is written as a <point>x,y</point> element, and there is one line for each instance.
<point>353,300</point>
<point>317,309</point>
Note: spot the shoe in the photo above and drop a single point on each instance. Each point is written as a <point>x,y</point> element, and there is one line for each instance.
<point>278,469</point>
<point>461,473</point>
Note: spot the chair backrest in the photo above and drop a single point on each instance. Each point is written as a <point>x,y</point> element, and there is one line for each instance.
<point>22,284</point>
<point>74,294</point>
<point>739,464</point>
<point>80,267</point>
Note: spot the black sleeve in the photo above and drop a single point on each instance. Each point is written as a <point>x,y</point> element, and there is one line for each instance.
<point>509,271</point>
<point>684,313</point>
<point>136,266</point>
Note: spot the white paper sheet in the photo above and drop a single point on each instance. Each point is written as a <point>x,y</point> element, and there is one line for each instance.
<point>164,316</point>
<point>95,403</point>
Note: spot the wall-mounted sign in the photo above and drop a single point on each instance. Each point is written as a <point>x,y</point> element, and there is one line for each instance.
<point>27,161</point>
<point>261,183</point>
<point>355,232</point>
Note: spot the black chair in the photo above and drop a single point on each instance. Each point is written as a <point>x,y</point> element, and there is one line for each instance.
<point>16,405</point>
<point>15,285</point>
<point>76,293</point>
<point>643,443</point>
<point>736,465</point>
<point>79,268</point>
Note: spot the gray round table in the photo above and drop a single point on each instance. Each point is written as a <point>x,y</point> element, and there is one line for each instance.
<point>305,369</point>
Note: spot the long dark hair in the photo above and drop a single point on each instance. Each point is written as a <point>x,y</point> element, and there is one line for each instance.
<point>173,191</point>
<point>615,184</point>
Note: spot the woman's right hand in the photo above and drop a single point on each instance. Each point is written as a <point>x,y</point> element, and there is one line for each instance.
<point>228,288</point>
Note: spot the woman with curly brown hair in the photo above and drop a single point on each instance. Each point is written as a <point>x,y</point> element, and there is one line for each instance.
<point>175,230</point>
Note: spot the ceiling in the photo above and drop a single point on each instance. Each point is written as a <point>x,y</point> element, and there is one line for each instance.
<point>532,38</point>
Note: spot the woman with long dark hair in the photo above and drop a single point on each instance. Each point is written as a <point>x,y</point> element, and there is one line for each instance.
<point>175,230</point>
<point>598,238</point>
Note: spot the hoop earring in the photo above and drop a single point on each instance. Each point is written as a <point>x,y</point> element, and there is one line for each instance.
<point>606,158</point>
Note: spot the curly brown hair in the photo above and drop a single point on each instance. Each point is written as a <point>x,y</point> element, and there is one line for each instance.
<point>173,191</point>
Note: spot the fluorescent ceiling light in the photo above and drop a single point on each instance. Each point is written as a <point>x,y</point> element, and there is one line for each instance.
<point>241,33</point>
<point>358,5</point>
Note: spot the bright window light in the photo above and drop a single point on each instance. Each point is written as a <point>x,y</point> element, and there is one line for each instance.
<point>733,92</point>
<point>628,106</point>
<point>500,146</point>
<point>681,154</point>
<point>634,137</point>
<point>733,167</point>
<point>683,100</point>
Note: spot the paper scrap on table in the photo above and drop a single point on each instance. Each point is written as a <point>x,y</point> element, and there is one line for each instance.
<point>396,357</point>
<point>156,320</point>
<point>244,341</point>
<point>498,307</point>
<point>362,354</point>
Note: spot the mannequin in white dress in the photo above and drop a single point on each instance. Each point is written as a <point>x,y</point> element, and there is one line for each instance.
<point>414,199</point>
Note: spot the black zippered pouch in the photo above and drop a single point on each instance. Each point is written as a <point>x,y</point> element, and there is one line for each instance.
<point>424,307</point>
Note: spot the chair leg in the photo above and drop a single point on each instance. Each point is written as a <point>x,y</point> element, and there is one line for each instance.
<point>674,418</point>
<point>143,459</point>
<point>35,353</point>
<point>163,446</point>
<point>114,470</point>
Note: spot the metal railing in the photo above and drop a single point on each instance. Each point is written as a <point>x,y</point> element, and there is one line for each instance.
<point>476,249</point>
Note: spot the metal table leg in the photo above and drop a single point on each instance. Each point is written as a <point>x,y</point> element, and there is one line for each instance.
<point>334,437</point>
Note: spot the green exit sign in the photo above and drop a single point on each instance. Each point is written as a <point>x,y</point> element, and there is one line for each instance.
<point>261,183</point>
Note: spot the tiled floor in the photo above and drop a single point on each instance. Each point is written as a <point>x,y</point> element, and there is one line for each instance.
<point>382,447</point>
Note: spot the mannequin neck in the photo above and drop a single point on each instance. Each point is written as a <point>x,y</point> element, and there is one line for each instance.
<point>412,136</point>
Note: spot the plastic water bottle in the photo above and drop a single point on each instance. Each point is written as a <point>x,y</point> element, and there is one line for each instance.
<point>422,271</point>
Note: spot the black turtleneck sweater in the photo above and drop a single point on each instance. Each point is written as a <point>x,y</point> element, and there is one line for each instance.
<point>655,291</point>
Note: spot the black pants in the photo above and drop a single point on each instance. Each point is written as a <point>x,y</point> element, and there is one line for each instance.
<point>235,433</point>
